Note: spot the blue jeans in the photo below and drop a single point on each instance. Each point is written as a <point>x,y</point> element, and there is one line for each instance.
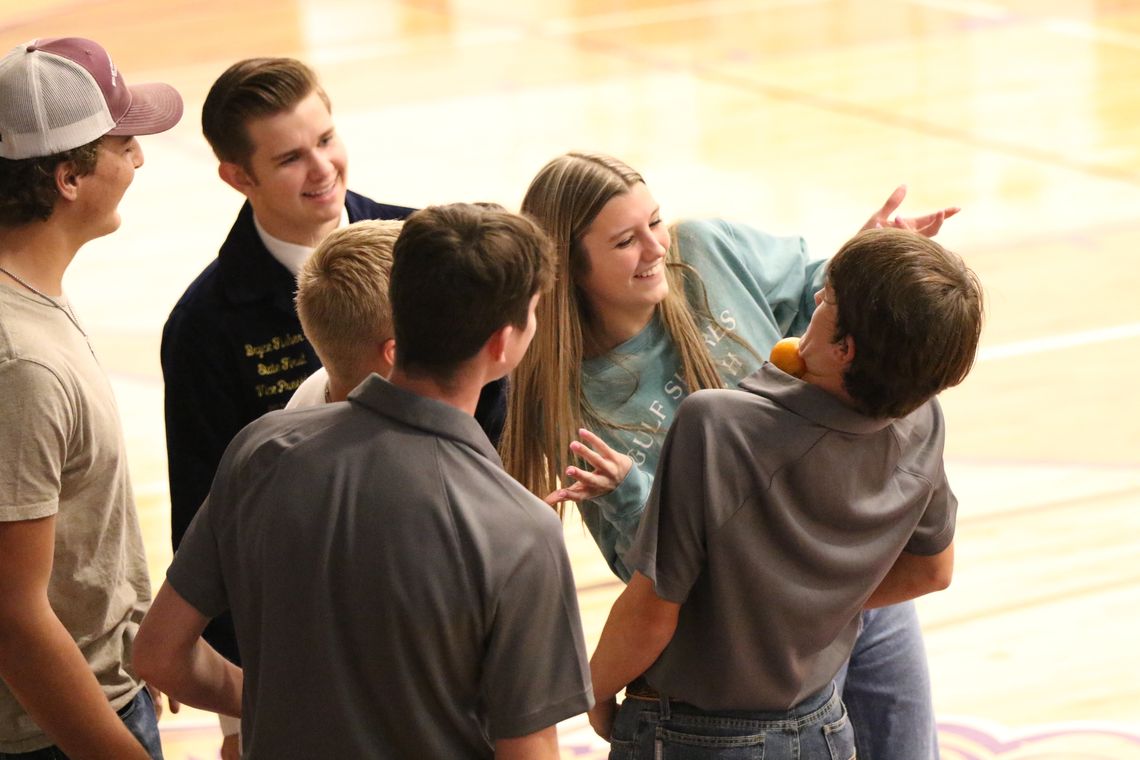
<point>886,687</point>
<point>138,716</point>
<point>665,729</point>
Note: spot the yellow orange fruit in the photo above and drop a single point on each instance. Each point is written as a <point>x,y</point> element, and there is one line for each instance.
<point>786,355</point>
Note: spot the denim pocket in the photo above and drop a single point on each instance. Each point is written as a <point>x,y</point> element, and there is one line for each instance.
<point>620,750</point>
<point>633,729</point>
<point>128,710</point>
<point>685,745</point>
<point>840,738</point>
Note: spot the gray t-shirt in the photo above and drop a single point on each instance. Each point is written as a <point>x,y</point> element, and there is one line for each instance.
<point>62,454</point>
<point>394,592</point>
<point>775,513</point>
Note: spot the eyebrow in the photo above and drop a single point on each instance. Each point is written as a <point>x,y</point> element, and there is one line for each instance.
<point>286,154</point>
<point>294,151</point>
<point>618,236</point>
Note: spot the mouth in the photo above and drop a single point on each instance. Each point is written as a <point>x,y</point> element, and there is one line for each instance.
<point>322,193</point>
<point>653,271</point>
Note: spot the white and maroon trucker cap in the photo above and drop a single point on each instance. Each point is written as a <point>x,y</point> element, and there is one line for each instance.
<point>59,93</point>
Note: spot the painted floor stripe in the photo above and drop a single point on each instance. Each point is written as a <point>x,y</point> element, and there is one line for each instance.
<point>1055,342</point>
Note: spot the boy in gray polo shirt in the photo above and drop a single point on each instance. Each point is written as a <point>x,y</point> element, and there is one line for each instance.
<point>779,513</point>
<point>395,593</point>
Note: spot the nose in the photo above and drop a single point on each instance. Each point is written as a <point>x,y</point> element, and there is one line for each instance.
<point>659,245</point>
<point>819,297</point>
<point>321,166</point>
<point>137,153</point>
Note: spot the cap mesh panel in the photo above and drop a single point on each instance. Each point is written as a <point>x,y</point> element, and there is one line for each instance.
<point>75,95</point>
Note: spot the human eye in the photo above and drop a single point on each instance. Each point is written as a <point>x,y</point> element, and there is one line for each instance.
<point>287,159</point>
<point>327,138</point>
<point>655,222</point>
<point>625,242</point>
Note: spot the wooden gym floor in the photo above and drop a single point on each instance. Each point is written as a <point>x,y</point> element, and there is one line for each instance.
<point>799,116</point>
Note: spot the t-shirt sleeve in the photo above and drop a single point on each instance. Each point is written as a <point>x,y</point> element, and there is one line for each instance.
<point>935,529</point>
<point>775,270</point>
<point>536,672</point>
<point>36,424</point>
<point>670,548</point>
<point>196,572</point>
<point>613,518</point>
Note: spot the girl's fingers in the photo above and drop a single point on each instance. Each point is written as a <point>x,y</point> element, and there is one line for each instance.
<point>595,442</point>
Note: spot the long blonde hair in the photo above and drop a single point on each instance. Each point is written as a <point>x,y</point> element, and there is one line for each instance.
<point>546,406</point>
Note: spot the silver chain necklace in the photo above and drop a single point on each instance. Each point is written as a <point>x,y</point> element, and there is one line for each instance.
<point>67,312</point>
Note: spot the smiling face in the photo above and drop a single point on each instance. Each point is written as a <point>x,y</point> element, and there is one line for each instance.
<point>295,180</point>
<point>625,249</point>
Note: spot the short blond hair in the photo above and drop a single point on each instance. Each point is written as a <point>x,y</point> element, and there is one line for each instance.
<point>342,293</point>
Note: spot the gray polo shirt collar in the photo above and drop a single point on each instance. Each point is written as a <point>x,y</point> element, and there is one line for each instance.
<point>810,401</point>
<point>411,409</point>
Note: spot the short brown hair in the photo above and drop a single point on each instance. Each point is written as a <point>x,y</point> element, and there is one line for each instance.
<point>252,89</point>
<point>461,272</point>
<point>342,293</point>
<point>28,191</point>
<point>914,311</point>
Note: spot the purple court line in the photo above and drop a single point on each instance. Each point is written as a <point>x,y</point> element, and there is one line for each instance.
<point>1048,739</point>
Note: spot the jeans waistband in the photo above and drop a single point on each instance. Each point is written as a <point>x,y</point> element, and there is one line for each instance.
<point>805,711</point>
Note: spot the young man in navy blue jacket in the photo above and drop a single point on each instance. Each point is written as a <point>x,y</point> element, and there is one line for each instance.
<point>232,348</point>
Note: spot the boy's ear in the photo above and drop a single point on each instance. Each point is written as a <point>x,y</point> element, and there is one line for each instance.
<point>388,351</point>
<point>497,344</point>
<point>236,177</point>
<point>67,180</point>
<point>845,351</point>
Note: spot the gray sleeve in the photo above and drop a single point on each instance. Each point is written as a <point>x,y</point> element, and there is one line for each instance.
<point>196,572</point>
<point>35,420</point>
<point>670,547</point>
<point>935,529</point>
<point>535,672</point>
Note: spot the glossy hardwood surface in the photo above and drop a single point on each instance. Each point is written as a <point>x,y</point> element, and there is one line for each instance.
<point>799,116</point>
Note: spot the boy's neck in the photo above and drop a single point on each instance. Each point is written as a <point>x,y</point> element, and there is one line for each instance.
<point>461,391</point>
<point>38,254</point>
<point>833,384</point>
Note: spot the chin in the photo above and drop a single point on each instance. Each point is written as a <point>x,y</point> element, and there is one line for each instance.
<point>112,225</point>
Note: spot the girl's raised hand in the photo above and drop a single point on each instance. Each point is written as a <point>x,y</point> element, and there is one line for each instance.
<point>609,470</point>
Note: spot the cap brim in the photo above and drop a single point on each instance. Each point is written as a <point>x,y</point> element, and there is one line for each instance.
<point>155,107</point>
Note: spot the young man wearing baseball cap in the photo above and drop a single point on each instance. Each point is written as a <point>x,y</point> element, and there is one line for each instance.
<point>73,576</point>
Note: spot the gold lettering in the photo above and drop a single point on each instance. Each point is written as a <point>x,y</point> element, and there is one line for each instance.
<point>277,388</point>
<point>276,344</point>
